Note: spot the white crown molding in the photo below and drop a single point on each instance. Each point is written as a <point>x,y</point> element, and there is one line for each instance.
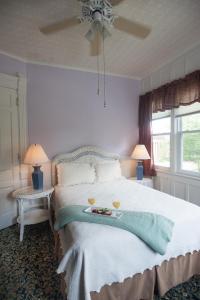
<point>33,62</point>
<point>13,56</point>
<point>82,70</point>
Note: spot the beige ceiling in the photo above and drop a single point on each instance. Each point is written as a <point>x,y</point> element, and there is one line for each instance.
<point>175,28</point>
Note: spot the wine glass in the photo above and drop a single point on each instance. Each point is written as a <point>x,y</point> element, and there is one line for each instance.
<point>91,201</point>
<point>116,204</point>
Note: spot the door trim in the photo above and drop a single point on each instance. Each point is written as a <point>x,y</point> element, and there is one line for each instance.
<point>19,84</point>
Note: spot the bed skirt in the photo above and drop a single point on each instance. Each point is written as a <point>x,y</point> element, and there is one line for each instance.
<point>143,286</point>
<point>158,281</point>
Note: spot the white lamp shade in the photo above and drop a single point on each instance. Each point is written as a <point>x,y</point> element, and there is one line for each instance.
<point>35,155</point>
<point>140,153</point>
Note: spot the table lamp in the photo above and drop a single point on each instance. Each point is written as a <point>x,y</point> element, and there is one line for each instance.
<point>36,156</point>
<point>140,153</point>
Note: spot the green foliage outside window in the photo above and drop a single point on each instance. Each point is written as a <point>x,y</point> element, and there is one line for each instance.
<point>191,140</point>
<point>191,148</point>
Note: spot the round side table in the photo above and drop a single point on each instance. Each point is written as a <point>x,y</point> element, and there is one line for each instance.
<point>34,214</point>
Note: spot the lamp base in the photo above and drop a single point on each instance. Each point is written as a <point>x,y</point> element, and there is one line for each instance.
<point>139,171</point>
<point>37,178</point>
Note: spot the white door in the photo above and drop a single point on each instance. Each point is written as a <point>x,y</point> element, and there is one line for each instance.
<point>9,154</point>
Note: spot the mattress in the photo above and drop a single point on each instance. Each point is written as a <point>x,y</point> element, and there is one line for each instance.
<point>98,255</point>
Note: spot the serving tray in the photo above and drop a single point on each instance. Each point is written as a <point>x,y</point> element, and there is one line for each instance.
<point>115,214</point>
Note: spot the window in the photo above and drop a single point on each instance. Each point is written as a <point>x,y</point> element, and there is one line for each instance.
<point>176,139</point>
<point>188,140</point>
<point>161,130</point>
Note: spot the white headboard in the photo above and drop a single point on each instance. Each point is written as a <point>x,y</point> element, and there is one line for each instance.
<point>85,154</point>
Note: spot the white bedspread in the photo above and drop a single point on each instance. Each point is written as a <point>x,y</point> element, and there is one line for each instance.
<point>98,254</point>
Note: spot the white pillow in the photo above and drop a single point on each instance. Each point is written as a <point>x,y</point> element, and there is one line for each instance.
<point>108,171</point>
<point>75,173</point>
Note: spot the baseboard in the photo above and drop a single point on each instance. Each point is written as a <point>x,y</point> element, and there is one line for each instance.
<point>7,219</point>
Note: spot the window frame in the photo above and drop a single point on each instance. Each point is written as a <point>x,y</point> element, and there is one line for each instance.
<point>176,147</point>
<point>179,148</point>
<point>161,134</point>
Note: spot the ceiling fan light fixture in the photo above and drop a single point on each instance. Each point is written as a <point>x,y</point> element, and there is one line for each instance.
<point>105,33</point>
<point>99,13</point>
<point>90,35</point>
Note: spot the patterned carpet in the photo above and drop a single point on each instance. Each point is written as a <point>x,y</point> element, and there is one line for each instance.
<point>27,270</point>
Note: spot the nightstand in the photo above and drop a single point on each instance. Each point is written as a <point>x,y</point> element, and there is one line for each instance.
<point>35,212</point>
<point>146,181</point>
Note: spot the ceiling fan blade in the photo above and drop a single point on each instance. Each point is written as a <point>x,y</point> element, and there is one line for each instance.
<point>133,28</point>
<point>96,44</point>
<point>115,2</point>
<point>64,24</point>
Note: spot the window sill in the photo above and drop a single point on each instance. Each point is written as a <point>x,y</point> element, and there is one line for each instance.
<point>167,171</point>
<point>163,169</point>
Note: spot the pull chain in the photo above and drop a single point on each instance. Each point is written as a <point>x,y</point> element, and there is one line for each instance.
<point>98,75</point>
<point>104,69</point>
<point>104,72</point>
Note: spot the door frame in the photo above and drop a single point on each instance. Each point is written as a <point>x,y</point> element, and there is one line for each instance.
<point>18,83</point>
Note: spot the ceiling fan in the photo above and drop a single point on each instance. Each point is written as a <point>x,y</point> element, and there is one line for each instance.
<point>99,13</point>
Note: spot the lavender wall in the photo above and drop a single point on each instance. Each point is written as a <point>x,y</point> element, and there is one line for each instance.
<point>64,111</point>
<point>11,66</point>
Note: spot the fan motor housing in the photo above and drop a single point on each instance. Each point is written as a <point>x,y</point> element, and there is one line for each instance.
<point>96,10</point>
<point>97,15</point>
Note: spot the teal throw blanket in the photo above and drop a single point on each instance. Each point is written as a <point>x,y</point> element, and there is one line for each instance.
<point>155,230</point>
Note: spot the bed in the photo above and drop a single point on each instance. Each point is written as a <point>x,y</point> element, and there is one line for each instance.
<point>104,262</point>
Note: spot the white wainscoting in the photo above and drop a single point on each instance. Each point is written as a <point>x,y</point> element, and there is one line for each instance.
<point>177,68</point>
<point>180,186</point>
